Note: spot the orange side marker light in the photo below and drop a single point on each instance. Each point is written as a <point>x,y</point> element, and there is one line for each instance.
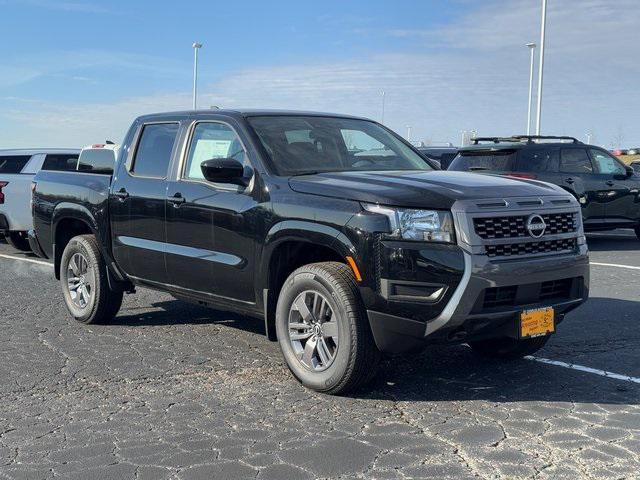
<point>354,267</point>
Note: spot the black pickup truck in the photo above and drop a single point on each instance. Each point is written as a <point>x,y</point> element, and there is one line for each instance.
<point>332,228</point>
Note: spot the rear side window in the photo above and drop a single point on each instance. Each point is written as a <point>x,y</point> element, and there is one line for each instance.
<point>97,160</point>
<point>154,150</point>
<point>60,162</point>
<point>499,161</point>
<point>530,160</point>
<point>13,163</point>
<point>575,160</point>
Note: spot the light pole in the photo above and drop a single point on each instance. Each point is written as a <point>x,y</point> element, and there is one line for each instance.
<point>408,133</point>
<point>532,49</point>
<point>543,27</point>
<point>383,98</point>
<point>589,136</point>
<point>196,46</point>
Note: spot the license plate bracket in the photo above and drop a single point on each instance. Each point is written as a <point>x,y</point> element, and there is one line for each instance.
<point>537,322</point>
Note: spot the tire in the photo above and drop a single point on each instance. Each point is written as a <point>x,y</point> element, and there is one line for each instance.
<point>100,303</point>
<point>508,348</point>
<point>637,230</point>
<point>340,334</point>
<point>19,241</point>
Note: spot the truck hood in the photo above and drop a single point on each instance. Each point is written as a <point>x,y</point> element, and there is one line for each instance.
<point>436,189</point>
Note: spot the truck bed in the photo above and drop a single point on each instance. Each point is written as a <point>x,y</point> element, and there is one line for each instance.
<point>86,195</point>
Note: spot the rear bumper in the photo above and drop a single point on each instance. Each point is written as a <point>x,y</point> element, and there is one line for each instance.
<point>4,223</point>
<point>35,244</point>
<point>465,317</point>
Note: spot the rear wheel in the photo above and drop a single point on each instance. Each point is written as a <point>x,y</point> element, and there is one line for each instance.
<point>19,241</point>
<point>323,330</point>
<point>637,230</point>
<point>508,348</point>
<point>85,286</point>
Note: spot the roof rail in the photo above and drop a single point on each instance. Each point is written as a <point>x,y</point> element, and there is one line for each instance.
<point>533,138</point>
<point>521,138</point>
<point>477,140</point>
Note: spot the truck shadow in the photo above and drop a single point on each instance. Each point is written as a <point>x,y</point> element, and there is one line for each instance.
<point>618,241</point>
<point>598,335</point>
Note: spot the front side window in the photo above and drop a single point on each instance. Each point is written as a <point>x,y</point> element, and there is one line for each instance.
<point>606,164</point>
<point>299,144</point>
<point>60,162</point>
<point>212,141</point>
<point>154,150</point>
<point>13,163</point>
<point>575,160</point>
<point>496,161</point>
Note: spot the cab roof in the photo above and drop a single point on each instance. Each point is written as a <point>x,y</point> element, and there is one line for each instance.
<point>244,113</point>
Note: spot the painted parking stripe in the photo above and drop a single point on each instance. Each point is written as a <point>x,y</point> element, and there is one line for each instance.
<point>581,368</point>
<point>630,267</point>
<point>28,260</point>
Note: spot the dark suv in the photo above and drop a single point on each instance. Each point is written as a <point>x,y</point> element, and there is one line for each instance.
<point>607,190</point>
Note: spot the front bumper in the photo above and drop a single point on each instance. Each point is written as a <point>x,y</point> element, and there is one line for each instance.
<point>463,318</point>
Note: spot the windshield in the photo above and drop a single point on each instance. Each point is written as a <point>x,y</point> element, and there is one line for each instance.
<point>299,145</point>
<point>498,161</point>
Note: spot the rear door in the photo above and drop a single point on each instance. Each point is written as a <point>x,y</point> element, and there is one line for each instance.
<point>622,197</point>
<point>137,202</point>
<point>578,175</point>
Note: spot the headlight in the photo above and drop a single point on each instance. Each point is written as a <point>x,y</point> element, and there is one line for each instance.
<point>423,225</point>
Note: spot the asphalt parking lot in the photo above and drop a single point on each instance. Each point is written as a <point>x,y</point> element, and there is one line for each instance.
<point>175,391</point>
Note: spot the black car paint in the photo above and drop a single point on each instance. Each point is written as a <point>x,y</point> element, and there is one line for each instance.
<point>608,201</point>
<point>215,243</point>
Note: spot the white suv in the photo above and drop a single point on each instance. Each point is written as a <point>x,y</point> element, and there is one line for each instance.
<point>17,169</point>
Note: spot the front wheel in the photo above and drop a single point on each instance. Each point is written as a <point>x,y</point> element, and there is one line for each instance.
<point>323,330</point>
<point>19,241</point>
<point>508,348</point>
<point>85,286</point>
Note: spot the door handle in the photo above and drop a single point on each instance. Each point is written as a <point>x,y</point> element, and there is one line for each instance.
<point>569,180</point>
<point>122,194</point>
<point>610,183</point>
<point>177,199</point>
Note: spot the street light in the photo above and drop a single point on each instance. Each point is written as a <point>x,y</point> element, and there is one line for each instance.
<point>408,133</point>
<point>532,49</point>
<point>543,27</point>
<point>383,98</point>
<point>196,46</point>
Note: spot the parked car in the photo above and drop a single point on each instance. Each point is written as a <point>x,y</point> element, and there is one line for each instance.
<point>331,228</point>
<point>636,166</point>
<point>443,155</point>
<point>633,151</point>
<point>606,188</point>
<point>17,168</point>
<point>618,152</point>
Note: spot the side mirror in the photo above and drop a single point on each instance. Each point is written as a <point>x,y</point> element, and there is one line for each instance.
<point>223,170</point>
<point>630,171</point>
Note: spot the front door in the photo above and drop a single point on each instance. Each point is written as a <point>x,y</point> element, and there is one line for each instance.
<point>138,199</point>
<point>622,203</point>
<point>210,248</point>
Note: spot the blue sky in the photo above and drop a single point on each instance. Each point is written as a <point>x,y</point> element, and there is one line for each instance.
<point>78,71</point>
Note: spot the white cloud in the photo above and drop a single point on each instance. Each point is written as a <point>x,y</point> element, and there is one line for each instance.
<point>473,74</point>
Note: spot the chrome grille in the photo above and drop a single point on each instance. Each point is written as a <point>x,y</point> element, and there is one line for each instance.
<point>531,248</point>
<point>514,226</point>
